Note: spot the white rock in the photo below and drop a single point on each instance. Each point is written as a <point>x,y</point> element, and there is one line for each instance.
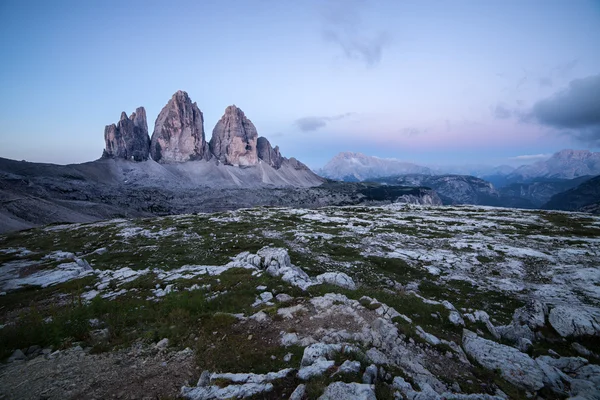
<point>283,298</point>
<point>514,332</point>
<point>317,368</point>
<point>456,319</point>
<point>349,367</point>
<point>240,378</point>
<point>565,364</point>
<point>569,321</point>
<point>298,393</point>
<point>370,375</point>
<point>260,316</point>
<point>348,391</point>
<point>228,392</point>
<point>533,314</point>
<point>400,384</point>
<point>162,344</point>
<point>516,367</point>
<point>428,337</point>
<point>290,312</point>
<point>338,279</point>
<point>318,350</point>
<point>449,306</point>
<point>377,357</point>
<point>289,339</point>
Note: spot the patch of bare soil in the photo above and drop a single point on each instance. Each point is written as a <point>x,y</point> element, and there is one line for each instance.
<point>140,372</point>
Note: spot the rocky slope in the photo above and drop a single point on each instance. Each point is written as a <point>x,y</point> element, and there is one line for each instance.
<point>536,193</point>
<point>179,132</point>
<point>585,197</point>
<point>396,301</point>
<point>452,189</point>
<point>32,194</point>
<point>128,139</point>
<point>355,167</point>
<point>565,164</point>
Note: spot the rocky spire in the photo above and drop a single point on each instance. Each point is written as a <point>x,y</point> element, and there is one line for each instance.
<point>128,139</point>
<point>268,154</point>
<point>234,139</point>
<point>179,132</point>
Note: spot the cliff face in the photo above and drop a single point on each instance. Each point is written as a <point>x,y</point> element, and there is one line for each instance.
<point>234,139</point>
<point>128,139</point>
<point>268,154</point>
<point>179,132</point>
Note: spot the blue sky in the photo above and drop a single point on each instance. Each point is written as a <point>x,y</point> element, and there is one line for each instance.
<point>436,82</point>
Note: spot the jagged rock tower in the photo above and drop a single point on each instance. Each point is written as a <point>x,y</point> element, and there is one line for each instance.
<point>234,138</point>
<point>179,132</point>
<point>128,139</point>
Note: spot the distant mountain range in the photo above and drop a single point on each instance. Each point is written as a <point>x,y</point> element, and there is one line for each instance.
<point>355,167</point>
<point>565,164</point>
<point>530,186</point>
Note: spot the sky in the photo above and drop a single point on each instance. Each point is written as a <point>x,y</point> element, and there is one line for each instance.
<point>432,82</point>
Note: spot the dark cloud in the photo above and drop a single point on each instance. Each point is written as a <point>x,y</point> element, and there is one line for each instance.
<point>343,26</point>
<point>575,110</point>
<point>308,124</point>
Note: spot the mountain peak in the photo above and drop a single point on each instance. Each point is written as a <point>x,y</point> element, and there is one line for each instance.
<point>234,138</point>
<point>358,166</point>
<point>128,139</point>
<point>179,132</point>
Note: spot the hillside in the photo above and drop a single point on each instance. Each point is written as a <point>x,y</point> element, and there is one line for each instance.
<point>33,194</point>
<point>452,189</point>
<point>355,167</point>
<point>585,197</point>
<point>422,301</point>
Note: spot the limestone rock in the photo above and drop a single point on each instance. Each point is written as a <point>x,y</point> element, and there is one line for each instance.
<point>179,132</point>
<point>298,393</point>
<point>268,154</point>
<point>569,321</point>
<point>349,367</point>
<point>516,367</point>
<point>533,314</point>
<point>128,139</point>
<point>317,368</point>
<point>234,139</point>
<point>348,391</point>
<point>228,392</point>
<point>338,279</point>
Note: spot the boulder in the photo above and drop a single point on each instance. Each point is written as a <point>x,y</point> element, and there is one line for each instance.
<point>234,139</point>
<point>128,139</point>
<point>532,314</point>
<point>338,279</point>
<point>298,393</point>
<point>348,391</point>
<point>349,367</point>
<point>317,368</point>
<point>516,367</point>
<point>179,132</point>
<point>571,321</point>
